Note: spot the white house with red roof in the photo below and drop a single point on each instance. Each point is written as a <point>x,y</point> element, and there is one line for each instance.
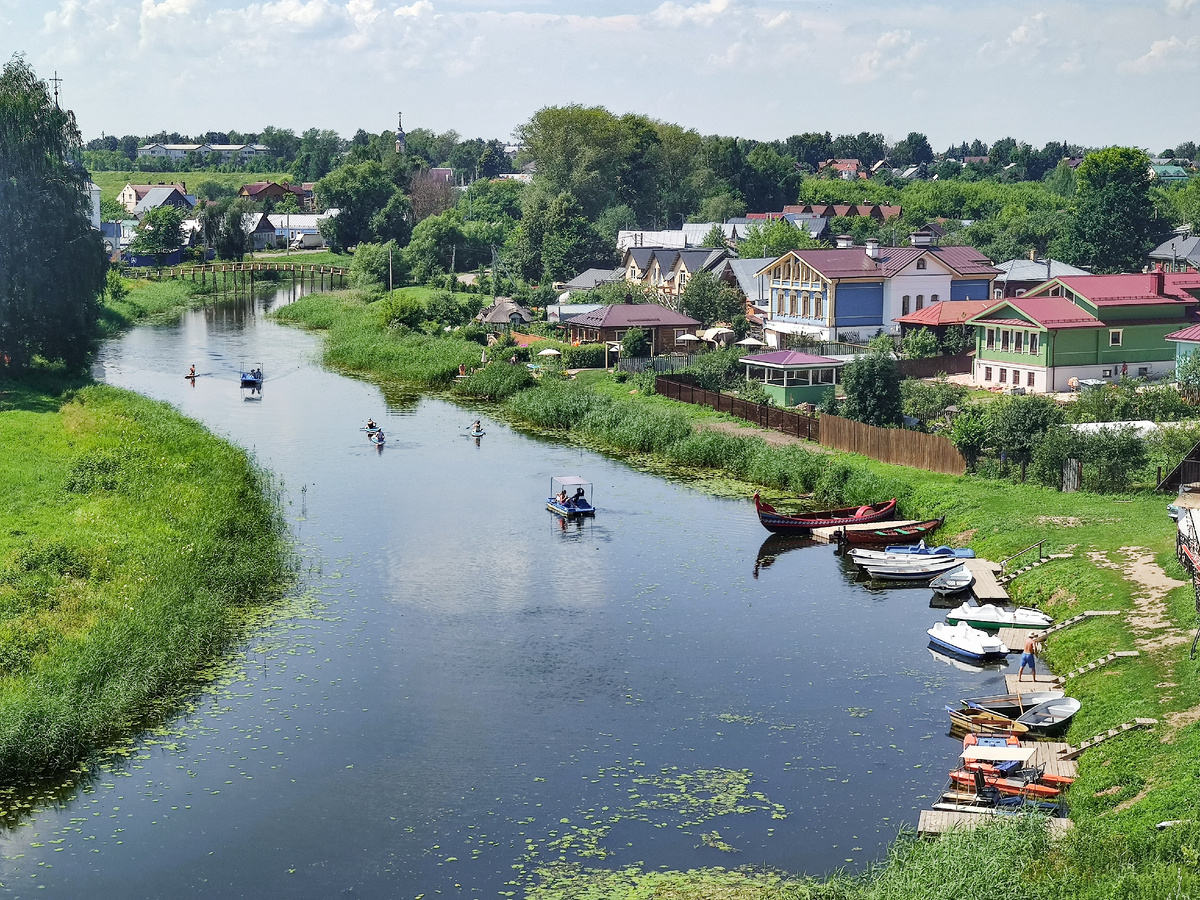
<point>855,292</point>
<point>1084,327</point>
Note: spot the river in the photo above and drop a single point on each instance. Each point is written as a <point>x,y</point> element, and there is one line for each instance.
<point>461,689</point>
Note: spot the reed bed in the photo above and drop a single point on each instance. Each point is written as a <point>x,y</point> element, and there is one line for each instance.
<point>127,546</point>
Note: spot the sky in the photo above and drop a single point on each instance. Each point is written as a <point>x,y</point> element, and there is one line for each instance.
<point>1096,73</point>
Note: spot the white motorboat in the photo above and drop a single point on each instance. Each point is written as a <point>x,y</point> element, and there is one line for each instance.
<point>985,615</point>
<point>912,569</point>
<point>967,642</point>
<point>953,582</point>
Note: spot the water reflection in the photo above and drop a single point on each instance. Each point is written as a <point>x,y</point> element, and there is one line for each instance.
<point>775,546</point>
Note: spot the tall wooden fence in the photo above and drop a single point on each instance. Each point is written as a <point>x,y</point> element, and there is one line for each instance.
<point>772,417</point>
<point>666,363</point>
<point>893,445</point>
<point>933,366</point>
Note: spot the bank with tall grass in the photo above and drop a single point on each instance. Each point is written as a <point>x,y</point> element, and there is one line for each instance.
<point>132,544</point>
<point>1126,787</point>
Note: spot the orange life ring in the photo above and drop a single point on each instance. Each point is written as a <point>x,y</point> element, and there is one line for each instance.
<point>863,511</point>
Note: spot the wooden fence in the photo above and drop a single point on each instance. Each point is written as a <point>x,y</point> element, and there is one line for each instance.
<point>893,445</point>
<point>772,417</point>
<point>933,366</point>
<point>666,363</point>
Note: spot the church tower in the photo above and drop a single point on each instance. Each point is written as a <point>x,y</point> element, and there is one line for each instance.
<point>401,145</point>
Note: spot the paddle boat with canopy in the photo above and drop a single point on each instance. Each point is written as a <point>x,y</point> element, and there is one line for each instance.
<point>252,377</point>
<point>570,497</point>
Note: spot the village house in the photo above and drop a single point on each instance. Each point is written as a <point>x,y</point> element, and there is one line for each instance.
<point>226,152</point>
<point>858,292</point>
<point>132,194</point>
<point>1178,254</point>
<point>259,191</point>
<point>847,169</point>
<point>942,316</point>
<point>663,326</point>
<point>1020,276</point>
<point>667,270</point>
<point>1084,327</point>
<point>165,195</point>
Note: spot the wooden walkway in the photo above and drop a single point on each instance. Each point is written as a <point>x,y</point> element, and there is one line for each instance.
<point>987,588</point>
<point>829,534</point>
<point>936,821</point>
<point>224,270</point>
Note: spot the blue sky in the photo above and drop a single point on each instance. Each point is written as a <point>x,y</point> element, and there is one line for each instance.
<point>1097,73</point>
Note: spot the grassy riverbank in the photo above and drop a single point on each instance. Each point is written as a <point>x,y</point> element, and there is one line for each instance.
<point>131,540</point>
<point>1122,559</point>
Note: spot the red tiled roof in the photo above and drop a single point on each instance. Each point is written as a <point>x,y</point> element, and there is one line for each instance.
<point>790,358</point>
<point>1191,335</point>
<point>853,262</point>
<point>630,315</point>
<point>1049,312</point>
<point>947,312</point>
<point>1134,289</point>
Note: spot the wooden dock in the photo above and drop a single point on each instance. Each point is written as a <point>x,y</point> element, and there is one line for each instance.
<point>829,534</point>
<point>986,589</point>
<point>936,821</point>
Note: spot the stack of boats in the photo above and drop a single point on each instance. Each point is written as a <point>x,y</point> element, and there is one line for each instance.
<point>995,774</point>
<point>911,563</point>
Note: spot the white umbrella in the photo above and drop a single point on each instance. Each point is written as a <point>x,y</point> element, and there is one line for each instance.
<point>752,342</point>
<point>549,351</point>
<point>687,337</point>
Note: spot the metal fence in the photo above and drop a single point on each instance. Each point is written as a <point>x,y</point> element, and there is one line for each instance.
<point>893,445</point>
<point>772,417</point>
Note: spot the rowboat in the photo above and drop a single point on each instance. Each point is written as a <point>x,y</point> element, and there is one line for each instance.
<point>967,642</point>
<point>901,553</point>
<point>893,534</point>
<point>1050,718</point>
<point>806,522</point>
<point>1011,705</point>
<point>985,615</point>
<point>982,721</point>
<point>911,570</point>
<point>574,506</point>
<point>953,582</point>
<point>1046,719</point>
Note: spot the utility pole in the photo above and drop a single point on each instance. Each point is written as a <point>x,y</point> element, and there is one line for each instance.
<point>56,81</point>
<point>389,267</point>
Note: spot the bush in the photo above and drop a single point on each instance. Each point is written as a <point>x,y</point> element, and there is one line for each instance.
<point>495,382</point>
<point>635,343</point>
<point>585,356</point>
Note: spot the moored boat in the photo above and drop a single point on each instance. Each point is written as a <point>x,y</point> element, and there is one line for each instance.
<point>1050,718</point>
<point>986,615</point>
<point>570,506</point>
<point>806,522</point>
<point>955,581</point>
<point>916,569</point>
<point>1011,705</point>
<point>968,642</point>
<point>890,534</point>
<point>897,553</point>
<point>982,721</point>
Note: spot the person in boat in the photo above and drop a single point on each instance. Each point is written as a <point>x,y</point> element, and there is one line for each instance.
<point>579,495</point>
<point>562,497</point>
<point>477,427</point>
<point>1033,643</point>
<point>371,426</point>
<point>378,436</point>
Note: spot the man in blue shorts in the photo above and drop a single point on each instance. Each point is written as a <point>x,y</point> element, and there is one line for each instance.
<point>1032,645</point>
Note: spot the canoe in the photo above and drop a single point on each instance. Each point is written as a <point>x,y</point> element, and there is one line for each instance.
<point>1052,717</point>
<point>806,522</point>
<point>916,570</point>
<point>895,534</point>
<point>967,642</point>
<point>1011,705</point>
<point>953,582</point>
<point>986,615</point>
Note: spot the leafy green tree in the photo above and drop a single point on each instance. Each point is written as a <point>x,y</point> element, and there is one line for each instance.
<point>912,150</point>
<point>52,263</point>
<point>358,191</point>
<point>555,241</point>
<point>214,190</point>
<point>706,298</point>
<point>775,238</point>
<point>620,291</point>
<point>1113,226</point>
<point>394,221</point>
<point>971,432</point>
<point>872,385</point>
<point>159,232</point>
<point>635,343</point>
<point>1020,422</point>
<point>112,210</point>
<point>369,267</point>
<point>725,204</point>
<point>492,201</point>
<point>714,238</point>
<point>316,155</point>
<point>1187,372</point>
<point>435,245</point>
<point>288,204</point>
<point>958,339</point>
<point>928,400</point>
<point>920,343</point>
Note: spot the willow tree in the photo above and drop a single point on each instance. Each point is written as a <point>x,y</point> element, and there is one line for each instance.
<point>52,263</point>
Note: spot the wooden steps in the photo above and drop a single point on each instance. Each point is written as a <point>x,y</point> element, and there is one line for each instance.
<point>1009,576</point>
<point>1096,664</point>
<point>1075,620</point>
<point>1074,752</point>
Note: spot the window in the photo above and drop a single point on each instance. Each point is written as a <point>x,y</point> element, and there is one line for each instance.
<point>991,342</point>
<point>1029,379</point>
<point>933,299</point>
<point>1020,292</point>
<point>1003,375</point>
<point>804,310</point>
<point>1106,373</point>
<point>792,303</point>
<point>1018,341</point>
<point>1143,371</point>
<point>1114,337</point>
<point>1016,376</point>
<point>1004,336</point>
<point>619,335</point>
<point>1033,343</point>
<point>921,265</point>
<point>904,306</point>
<point>817,312</point>
<point>680,332</point>
<point>987,373</point>
<point>920,301</point>
<point>998,294</point>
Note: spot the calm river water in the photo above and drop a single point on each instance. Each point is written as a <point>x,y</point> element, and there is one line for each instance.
<point>461,688</point>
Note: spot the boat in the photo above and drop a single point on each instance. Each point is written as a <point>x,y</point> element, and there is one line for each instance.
<point>376,437</point>
<point>1018,787</point>
<point>574,506</point>
<point>1050,718</point>
<point>890,534</point>
<point>968,642</point>
<point>919,550</point>
<point>917,569</point>
<point>828,518</point>
<point>954,581</point>
<point>476,433</point>
<point>252,377</point>
<point>986,615</point>
<point>983,721</point>
<point>1011,705</point>
<point>963,665</point>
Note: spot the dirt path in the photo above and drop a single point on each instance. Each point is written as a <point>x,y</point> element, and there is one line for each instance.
<point>1148,618</point>
<point>772,437</point>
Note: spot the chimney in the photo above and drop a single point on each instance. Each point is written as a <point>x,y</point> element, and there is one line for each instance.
<point>920,238</point>
<point>629,297</point>
<point>844,241</point>
<point>1032,254</point>
<point>872,245</point>
<point>1158,281</point>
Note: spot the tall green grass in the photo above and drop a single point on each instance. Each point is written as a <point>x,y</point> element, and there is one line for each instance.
<point>128,542</point>
<point>148,300</point>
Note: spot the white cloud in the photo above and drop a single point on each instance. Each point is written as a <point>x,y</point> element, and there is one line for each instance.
<point>1030,33</point>
<point>1179,7</point>
<point>418,9</point>
<point>1160,55</point>
<point>892,53</point>
<point>699,13</point>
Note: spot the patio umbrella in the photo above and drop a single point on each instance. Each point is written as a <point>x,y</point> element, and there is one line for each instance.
<point>687,337</point>
<point>549,351</point>
<point>752,342</point>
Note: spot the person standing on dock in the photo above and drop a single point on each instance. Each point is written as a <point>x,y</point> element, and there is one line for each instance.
<point>1033,643</point>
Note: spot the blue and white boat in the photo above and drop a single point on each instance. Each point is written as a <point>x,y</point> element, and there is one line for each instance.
<point>966,642</point>
<point>570,497</point>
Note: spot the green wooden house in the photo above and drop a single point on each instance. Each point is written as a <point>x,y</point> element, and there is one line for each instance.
<point>1084,327</point>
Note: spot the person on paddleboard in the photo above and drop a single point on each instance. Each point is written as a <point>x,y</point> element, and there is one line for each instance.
<point>477,427</point>
<point>192,372</point>
<point>371,426</point>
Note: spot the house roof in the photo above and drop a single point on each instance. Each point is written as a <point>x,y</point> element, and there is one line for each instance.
<point>946,312</point>
<point>701,258</point>
<point>502,311</point>
<point>853,262</point>
<point>141,190</point>
<point>1137,289</point>
<point>1189,335</point>
<point>1048,312</point>
<point>157,196</point>
<point>792,358</point>
<point>1035,270</point>
<point>628,315</point>
<point>829,210</point>
<point>641,256</point>
<point>591,278</point>
<point>1180,247</point>
<point>745,272</point>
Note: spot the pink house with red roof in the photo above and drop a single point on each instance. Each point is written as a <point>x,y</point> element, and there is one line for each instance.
<point>1084,327</point>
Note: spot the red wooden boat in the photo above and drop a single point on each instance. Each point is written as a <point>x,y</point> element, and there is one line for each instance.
<point>889,534</point>
<point>806,522</point>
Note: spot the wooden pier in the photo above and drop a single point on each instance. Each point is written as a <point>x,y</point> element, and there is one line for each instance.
<point>936,821</point>
<point>987,588</point>
<point>829,533</point>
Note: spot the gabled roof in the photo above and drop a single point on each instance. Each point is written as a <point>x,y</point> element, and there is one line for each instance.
<point>157,196</point>
<point>141,190</point>
<point>641,256</point>
<point>592,278</point>
<point>701,258</point>
<point>790,358</point>
<point>1035,270</point>
<point>946,312</point>
<point>1181,247</point>
<point>745,272</point>
<point>1049,312</point>
<point>502,312</point>
<point>1189,335</point>
<point>628,315</point>
<point>853,262</point>
<point>1136,289</point>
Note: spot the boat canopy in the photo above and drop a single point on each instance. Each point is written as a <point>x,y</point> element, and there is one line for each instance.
<point>570,480</point>
<point>998,754</point>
